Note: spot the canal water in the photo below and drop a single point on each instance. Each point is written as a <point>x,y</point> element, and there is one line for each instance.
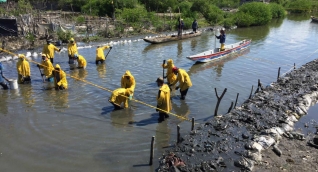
<point>77,129</point>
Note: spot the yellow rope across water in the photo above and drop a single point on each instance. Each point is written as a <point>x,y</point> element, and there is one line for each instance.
<point>106,89</point>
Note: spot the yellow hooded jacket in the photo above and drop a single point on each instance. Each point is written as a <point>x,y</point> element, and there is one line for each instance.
<point>23,67</point>
<point>62,81</point>
<point>72,48</point>
<point>100,52</point>
<point>47,67</point>
<point>49,49</point>
<point>184,80</point>
<point>119,96</point>
<point>129,84</point>
<point>163,99</point>
<point>81,61</point>
<point>171,77</point>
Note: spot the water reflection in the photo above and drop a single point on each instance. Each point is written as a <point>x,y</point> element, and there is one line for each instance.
<point>27,95</point>
<point>179,48</point>
<point>101,70</point>
<point>276,23</point>
<point>163,134</point>
<point>3,101</point>
<point>256,33</point>
<point>82,73</point>
<point>194,43</point>
<point>182,109</point>
<point>62,99</point>
<point>121,118</point>
<point>298,17</point>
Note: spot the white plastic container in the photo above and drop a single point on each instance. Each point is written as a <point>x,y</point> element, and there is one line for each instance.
<point>13,84</point>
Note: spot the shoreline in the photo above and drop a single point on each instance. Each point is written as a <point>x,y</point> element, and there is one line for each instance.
<point>240,139</point>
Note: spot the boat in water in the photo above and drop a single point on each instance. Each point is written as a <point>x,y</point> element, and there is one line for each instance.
<point>314,19</point>
<point>216,54</point>
<point>168,38</point>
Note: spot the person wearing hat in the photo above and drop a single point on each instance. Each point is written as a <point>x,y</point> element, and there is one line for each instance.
<point>222,37</point>
<point>71,50</point>
<point>81,62</point>
<point>163,100</point>
<point>128,81</point>
<point>119,96</point>
<point>47,67</point>
<point>180,27</point>
<point>184,81</point>
<point>59,78</point>
<point>49,49</point>
<point>2,78</point>
<point>100,57</point>
<point>23,69</point>
<point>195,26</point>
<point>171,77</point>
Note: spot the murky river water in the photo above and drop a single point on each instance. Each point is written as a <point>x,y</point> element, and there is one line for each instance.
<point>76,130</point>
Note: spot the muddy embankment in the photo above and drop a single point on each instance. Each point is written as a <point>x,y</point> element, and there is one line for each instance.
<point>240,138</point>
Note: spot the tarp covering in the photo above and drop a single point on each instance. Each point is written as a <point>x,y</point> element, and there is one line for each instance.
<point>8,27</point>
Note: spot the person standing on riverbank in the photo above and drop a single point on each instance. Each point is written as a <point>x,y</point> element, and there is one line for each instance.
<point>184,81</point>
<point>2,78</point>
<point>60,78</point>
<point>47,68</point>
<point>119,96</point>
<point>180,27</point>
<point>128,81</point>
<point>49,49</point>
<point>222,37</point>
<point>195,26</point>
<point>171,77</point>
<point>100,57</point>
<point>163,100</point>
<point>23,69</point>
<point>81,62</point>
<point>71,50</point>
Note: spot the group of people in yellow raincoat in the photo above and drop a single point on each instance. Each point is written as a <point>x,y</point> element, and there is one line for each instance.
<point>174,75</point>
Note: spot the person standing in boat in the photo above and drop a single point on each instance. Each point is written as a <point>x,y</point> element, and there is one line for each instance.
<point>222,37</point>
<point>49,49</point>
<point>163,100</point>
<point>180,27</point>
<point>184,81</point>
<point>195,26</point>
<point>2,78</point>
<point>23,69</point>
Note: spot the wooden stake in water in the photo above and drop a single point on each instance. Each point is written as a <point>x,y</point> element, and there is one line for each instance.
<point>236,99</point>
<point>251,92</point>
<point>278,73</point>
<point>192,127</point>
<point>219,100</point>
<point>152,150</point>
<point>178,134</point>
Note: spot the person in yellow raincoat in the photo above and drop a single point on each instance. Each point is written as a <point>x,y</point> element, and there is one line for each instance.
<point>81,62</point>
<point>47,68</point>
<point>184,81</point>
<point>171,77</point>
<point>128,81</point>
<point>71,50</point>
<point>23,69</point>
<point>59,78</point>
<point>100,57</point>
<point>163,100</point>
<point>49,49</point>
<point>119,96</point>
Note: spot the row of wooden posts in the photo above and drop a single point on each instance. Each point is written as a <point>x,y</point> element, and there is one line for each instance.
<point>219,98</point>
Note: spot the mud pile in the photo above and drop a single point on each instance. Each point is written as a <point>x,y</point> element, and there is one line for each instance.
<point>237,139</point>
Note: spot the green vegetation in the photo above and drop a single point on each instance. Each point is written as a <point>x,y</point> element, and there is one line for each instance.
<point>143,15</point>
<point>64,36</point>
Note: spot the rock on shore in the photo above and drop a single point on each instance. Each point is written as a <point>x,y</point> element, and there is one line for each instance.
<point>237,139</point>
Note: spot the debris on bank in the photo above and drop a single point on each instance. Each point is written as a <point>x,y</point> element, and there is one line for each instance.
<point>237,139</point>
